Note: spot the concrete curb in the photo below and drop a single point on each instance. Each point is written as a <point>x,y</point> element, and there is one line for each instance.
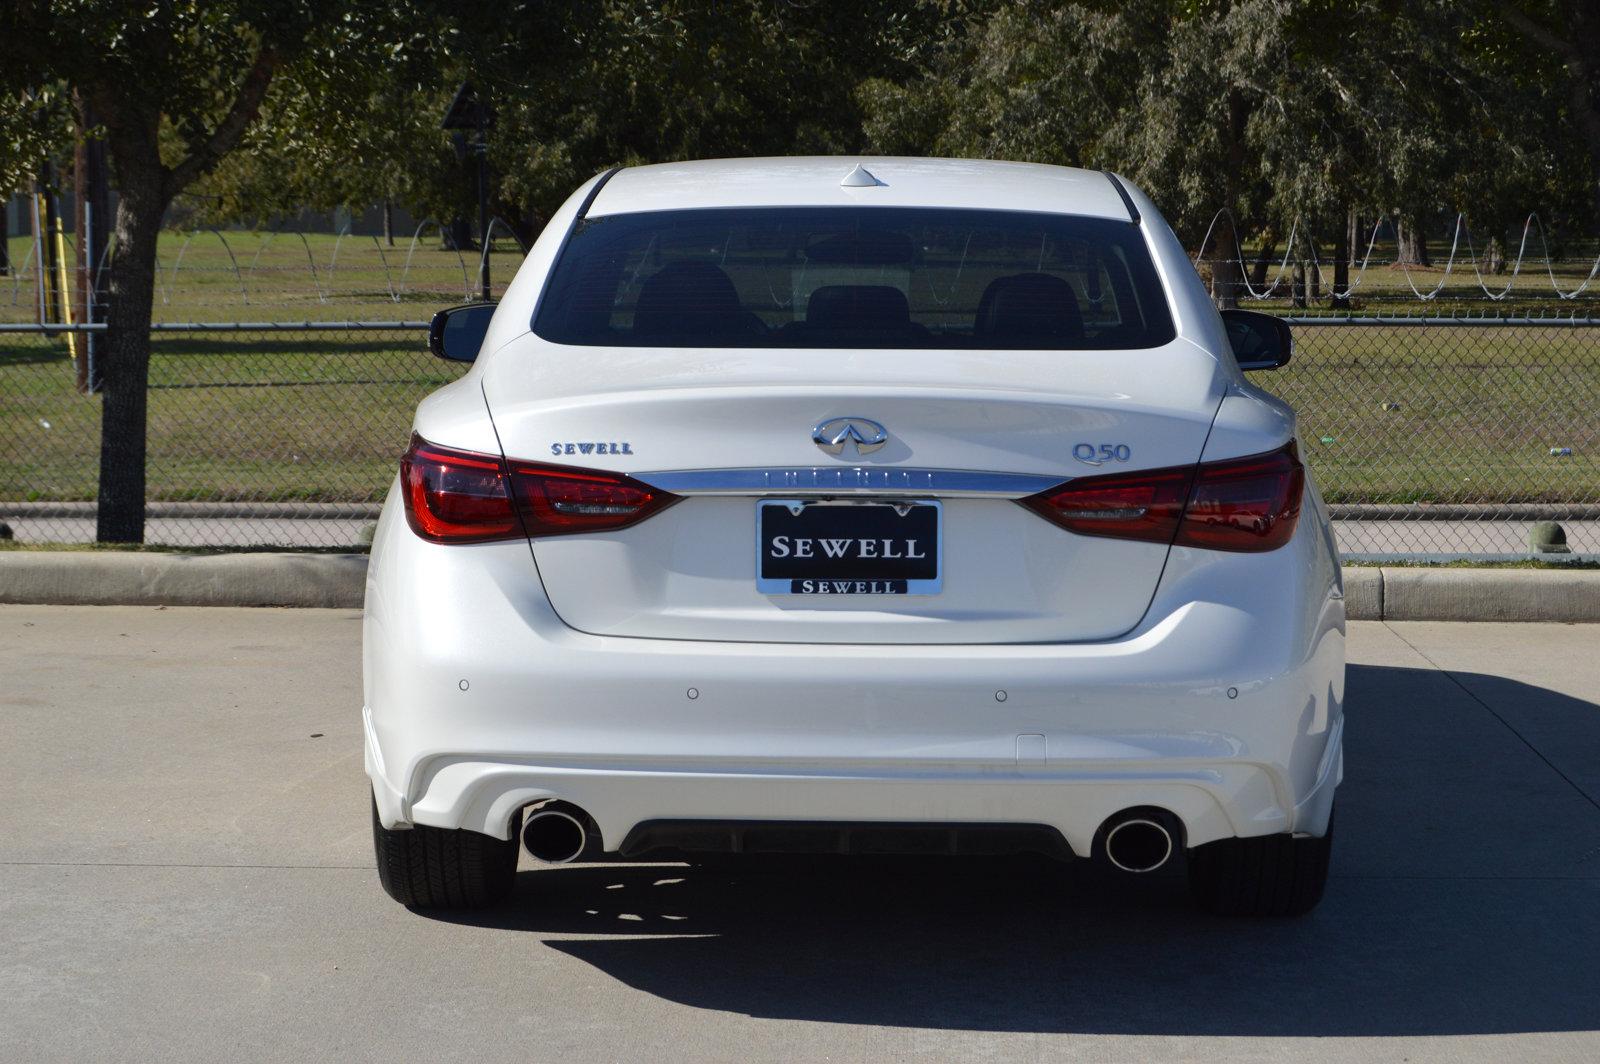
<point>136,578</point>
<point>1363,593</point>
<point>338,581</point>
<point>1394,593</point>
<point>1413,594</point>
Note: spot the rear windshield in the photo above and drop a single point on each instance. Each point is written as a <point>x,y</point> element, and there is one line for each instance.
<point>855,277</point>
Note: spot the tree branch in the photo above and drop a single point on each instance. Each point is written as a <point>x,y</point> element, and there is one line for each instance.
<point>1536,33</point>
<point>243,111</point>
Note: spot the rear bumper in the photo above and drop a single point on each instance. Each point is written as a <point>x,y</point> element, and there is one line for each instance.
<point>1224,706</point>
<point>1214,800</point>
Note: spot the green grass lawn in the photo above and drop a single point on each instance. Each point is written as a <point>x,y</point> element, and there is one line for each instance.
<point>262,276</point>
<point>323,416</point>
<point>1471,414</point>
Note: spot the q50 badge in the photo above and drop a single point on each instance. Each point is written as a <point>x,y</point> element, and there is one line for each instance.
<point>1097,454</point>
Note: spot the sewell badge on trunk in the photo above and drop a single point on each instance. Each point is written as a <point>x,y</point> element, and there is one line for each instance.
<point>833,547</point>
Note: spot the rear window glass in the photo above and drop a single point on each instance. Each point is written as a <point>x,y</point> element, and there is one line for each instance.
<point>855,277</point>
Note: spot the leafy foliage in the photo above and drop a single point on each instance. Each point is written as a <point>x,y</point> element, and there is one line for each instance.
<point>577,86</point>
<point>1272,109</point>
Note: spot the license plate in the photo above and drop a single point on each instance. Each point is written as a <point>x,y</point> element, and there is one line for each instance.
<point>848,548</point>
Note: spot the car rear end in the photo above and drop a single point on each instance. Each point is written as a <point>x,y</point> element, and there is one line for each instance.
<point>855,524</point>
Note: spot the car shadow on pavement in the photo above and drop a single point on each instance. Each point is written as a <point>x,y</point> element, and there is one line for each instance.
<point>1465,900</point>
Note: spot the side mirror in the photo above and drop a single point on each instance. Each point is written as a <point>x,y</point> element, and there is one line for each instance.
<point>1260,341</point>
<point>457,333</point>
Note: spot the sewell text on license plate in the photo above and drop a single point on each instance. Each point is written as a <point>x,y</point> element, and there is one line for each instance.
<point>827,547</point>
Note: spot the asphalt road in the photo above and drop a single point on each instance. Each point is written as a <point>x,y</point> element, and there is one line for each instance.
<point>185,874</point>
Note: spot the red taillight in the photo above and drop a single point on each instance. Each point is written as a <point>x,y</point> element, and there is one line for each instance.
<point>1246,503</point>
<point>1243,504</point>
<point>555,500</point>
<point>456,496</point>
<point>1128,506</point>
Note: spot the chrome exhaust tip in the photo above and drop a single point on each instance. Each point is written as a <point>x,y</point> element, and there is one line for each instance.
<point>555,836</point>
<point>1138,844</point>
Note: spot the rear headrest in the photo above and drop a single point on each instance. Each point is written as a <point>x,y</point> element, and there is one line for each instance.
<point>686,297</point>
<point>1029,307</point>
<point>859,307</point>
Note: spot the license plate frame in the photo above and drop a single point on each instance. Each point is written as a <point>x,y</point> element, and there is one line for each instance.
<point>893,582</point>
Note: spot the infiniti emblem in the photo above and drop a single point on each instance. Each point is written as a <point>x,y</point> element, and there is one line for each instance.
<point>833,434</point>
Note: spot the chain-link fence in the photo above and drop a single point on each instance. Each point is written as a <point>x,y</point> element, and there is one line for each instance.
<point>258,434</point>
<point>1427,435</point>
<point>1449,436</point>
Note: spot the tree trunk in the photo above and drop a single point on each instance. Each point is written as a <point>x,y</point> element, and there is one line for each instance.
<point>458,235</point>
<point>1341,264</point>
<point>1412,243</point>
<point>125,361</point>
<point>1227,272</point>
<point>144,188</point>
<point>388,223</point>
<point>5,236</point>
<point>1258,270</point>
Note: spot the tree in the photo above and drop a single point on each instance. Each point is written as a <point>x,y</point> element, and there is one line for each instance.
<point>176,86</point>
<point>381,143</point>
<point>608,82</point>
<point>36,124</point>
<point>1568,30</point>
<point>1285,115</point>
<point>578,86</point>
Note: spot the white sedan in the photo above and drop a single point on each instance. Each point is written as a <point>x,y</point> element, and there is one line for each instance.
<point>871,505</point>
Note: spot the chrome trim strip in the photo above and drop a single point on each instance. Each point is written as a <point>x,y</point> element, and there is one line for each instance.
<point>849,480</point>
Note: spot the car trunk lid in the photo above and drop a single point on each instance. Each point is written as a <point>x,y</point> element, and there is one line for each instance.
<point>969,430</point>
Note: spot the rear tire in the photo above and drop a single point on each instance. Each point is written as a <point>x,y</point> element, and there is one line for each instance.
<point>1270,875</point>
<point>437,868</point>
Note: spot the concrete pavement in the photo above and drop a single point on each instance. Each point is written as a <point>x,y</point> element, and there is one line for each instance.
<point>185,874</point>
